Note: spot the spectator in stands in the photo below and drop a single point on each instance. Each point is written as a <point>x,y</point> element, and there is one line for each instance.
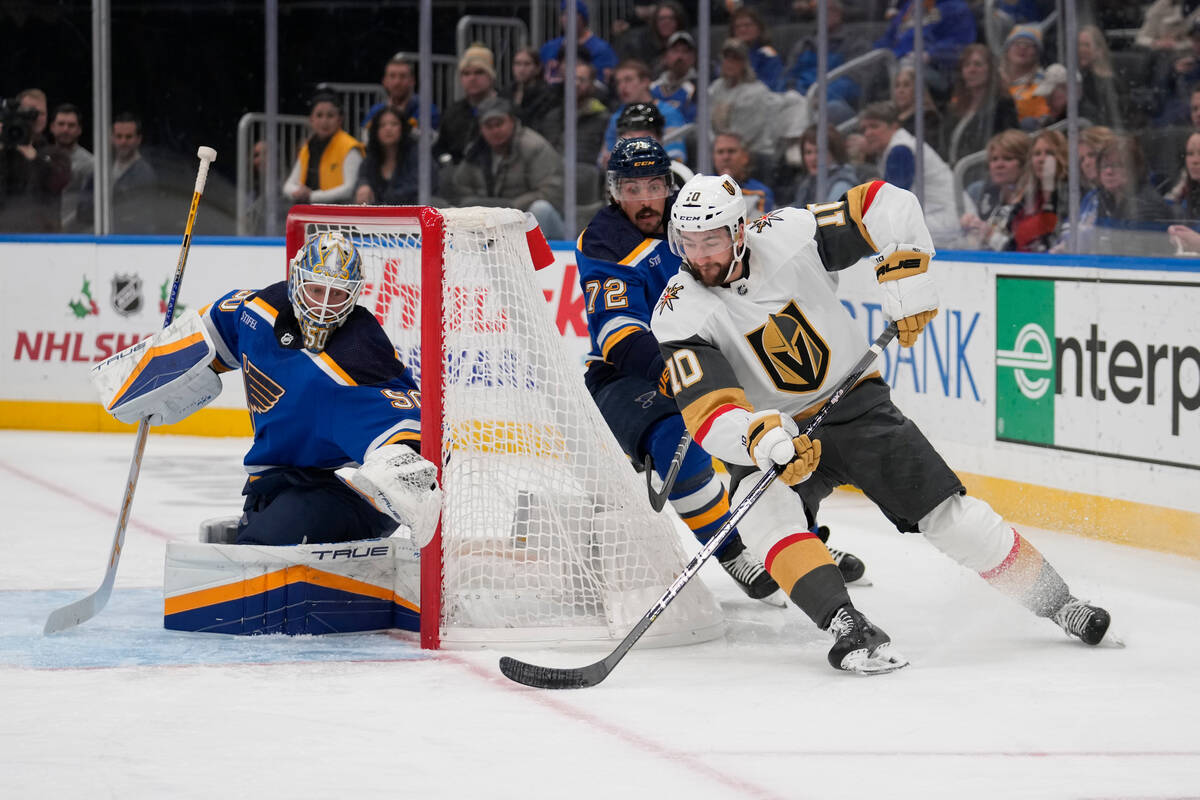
<point>531,96</point>
<point>400,83</point>
<point>32,176</point>
<point>1092,141</point>
<point>1098,99</point>
<point>477,76</point>
<point>326,169</point>
<point>746,26</point>
<point>1184,197</point>
<point>1126,205</point>
<point>389,174</point>
<point>628,34</point>
<point>591,117</point>
<point>134,182</point>
<point>730,157</point>
<point>1166,25</point>
<point>644,120</point>
<point>894,148</point>
<point>998,199</point>
<point>740,103</point>
<point>1038,219</point>
<point>840,175</point>
<point>1022,71</point>
<point>651,43</point>
<point>1054,89</point>
<point>513,166</point>
<point>904,98</point>
<point>842,93</point>
<point>949,26</point>
<point>66,127</point>
<point>36,99</point>
<point>603,56</point>
<point>1176,78</point>
<point>979,106</point>
<point>676,84</point>
<point>633,86</point>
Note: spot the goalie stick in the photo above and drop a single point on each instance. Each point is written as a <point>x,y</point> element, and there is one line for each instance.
<point>582,677</point>
<point>85,608</point>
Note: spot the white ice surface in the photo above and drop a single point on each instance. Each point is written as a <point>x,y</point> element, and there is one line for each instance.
<point>996,702</point>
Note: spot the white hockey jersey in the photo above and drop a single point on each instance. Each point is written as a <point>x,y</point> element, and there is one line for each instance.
<point>779,338</point>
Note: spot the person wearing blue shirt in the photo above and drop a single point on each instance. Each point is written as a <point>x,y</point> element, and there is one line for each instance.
<point>603,57</point>
<point>400,81</point>
<point>747,26</point>
<point>633,86</point>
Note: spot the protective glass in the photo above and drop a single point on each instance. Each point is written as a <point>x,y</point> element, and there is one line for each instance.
<point>637,189</point>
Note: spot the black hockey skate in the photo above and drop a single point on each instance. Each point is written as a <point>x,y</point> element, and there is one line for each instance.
<point>860,646</point>
<point>1087,622</point>
<point>850,565</point>
<point>753,578</point>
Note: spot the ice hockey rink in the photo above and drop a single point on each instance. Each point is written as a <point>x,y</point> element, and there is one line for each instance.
<point>996,703</point>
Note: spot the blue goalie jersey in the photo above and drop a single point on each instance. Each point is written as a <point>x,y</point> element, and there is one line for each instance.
<point>313,410</point>
<point>622,272</point>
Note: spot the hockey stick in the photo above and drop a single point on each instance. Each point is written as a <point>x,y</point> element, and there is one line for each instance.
<point>659,499</point>
<point>85,608</point>
<point>583,677</point>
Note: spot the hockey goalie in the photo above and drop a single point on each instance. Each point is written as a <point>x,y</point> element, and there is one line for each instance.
<point>334,469</point>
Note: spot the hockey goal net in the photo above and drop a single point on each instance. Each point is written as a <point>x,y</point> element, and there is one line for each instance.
<point>546,535</point>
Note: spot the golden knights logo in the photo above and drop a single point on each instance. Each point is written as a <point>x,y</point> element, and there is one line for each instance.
<point>791,352</point>
<point>669,296</point>
<point>765,221</point>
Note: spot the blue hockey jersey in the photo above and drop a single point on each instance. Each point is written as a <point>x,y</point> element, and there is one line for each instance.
<point>319,410</point>
<point>622,272</point>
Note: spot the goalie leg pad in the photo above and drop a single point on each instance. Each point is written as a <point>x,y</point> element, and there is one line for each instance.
<point>166,377</point>
<point>306,589</point>
<point>294,506</point>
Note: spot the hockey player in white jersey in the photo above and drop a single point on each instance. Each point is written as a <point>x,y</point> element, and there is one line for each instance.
<point>756,340</point>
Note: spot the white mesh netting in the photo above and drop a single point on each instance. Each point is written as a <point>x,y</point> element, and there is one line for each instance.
<point>547,534</point>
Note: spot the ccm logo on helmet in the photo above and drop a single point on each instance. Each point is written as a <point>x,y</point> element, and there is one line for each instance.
<point>688,217</point>
<point>643,163</point>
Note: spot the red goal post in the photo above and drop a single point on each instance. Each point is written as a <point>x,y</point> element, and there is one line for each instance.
<point>546,534</point>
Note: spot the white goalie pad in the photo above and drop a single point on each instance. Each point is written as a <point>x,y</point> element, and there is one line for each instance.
<point>401,484</point>
<point>166,377</point>
<point>366,585</point>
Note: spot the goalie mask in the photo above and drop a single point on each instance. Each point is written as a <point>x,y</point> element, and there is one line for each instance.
<point>324,281</point>
<point>709,216</point>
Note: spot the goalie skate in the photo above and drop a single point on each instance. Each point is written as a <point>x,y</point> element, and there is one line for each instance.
<point>753,578</point>
<point>860,646</point>
<point>1085,622</point>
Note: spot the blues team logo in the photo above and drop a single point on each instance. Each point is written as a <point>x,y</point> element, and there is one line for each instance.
<point>126,294</point>
<point>791,352</point>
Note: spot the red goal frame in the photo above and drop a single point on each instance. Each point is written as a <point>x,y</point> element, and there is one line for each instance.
<point>432,227</point>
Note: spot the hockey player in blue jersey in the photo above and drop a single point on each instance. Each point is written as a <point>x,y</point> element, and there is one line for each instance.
<point>624,263</point>
<point>336,414</point>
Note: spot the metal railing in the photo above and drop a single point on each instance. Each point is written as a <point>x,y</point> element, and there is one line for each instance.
<point>446,88</point>
<point>502,35</point>
<point>356,100</point>
<point>292,131</point>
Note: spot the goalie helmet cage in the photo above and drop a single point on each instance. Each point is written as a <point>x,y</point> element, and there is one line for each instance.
<point>546,536</point>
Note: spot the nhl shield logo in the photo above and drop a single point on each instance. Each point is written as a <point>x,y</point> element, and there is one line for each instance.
<point>126,294</point>
<point>791,352</point>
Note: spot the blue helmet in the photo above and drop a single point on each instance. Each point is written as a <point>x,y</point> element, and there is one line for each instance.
<point>325,279</point>
<point>642,157</point>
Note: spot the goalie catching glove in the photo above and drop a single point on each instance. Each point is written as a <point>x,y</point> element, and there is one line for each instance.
<point>164,378</point>
<point>909,294</point>
<point>772,438</point>
<point>401,484</point>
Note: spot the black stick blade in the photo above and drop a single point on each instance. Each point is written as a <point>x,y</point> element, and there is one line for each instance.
<point>553,677</point>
